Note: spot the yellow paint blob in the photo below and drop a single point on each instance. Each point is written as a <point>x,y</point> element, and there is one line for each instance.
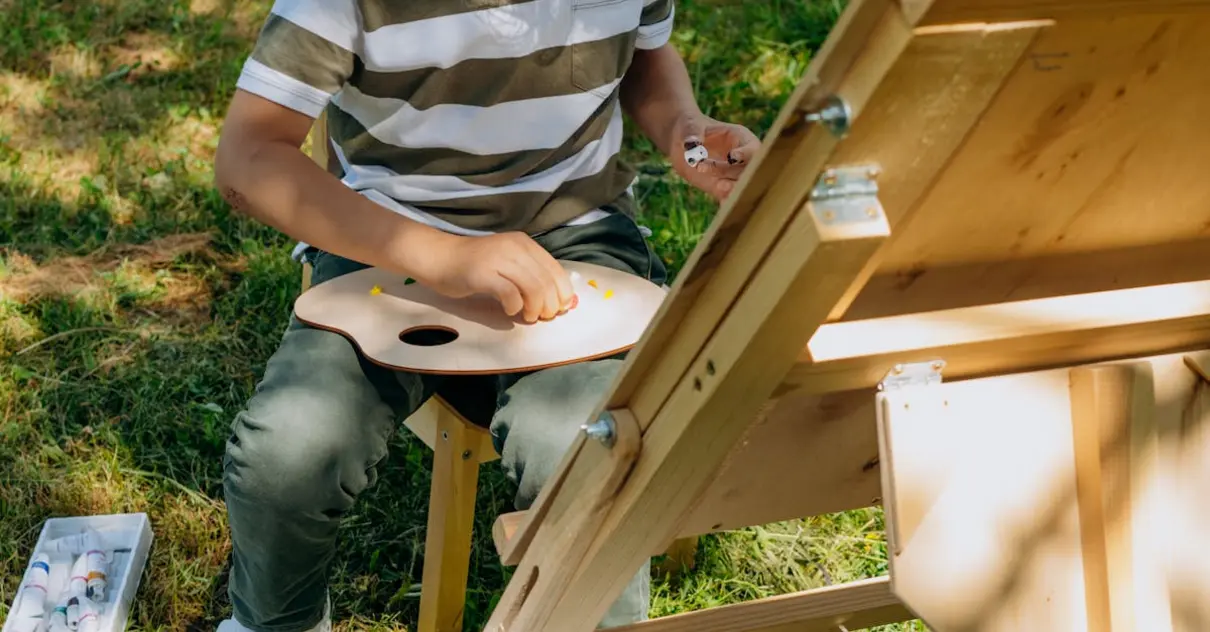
<point>375,291</point>
<point>608,293</point>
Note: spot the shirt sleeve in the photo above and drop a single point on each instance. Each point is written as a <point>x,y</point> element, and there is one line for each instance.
<point>655,25</point>
<point>304,54</point>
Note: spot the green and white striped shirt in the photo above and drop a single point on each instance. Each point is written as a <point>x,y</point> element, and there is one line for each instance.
<point>472,116</point>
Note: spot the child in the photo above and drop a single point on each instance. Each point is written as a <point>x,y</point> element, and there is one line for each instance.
<point>475,143</point>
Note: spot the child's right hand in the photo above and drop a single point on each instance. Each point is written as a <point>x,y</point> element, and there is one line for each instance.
<point>512,267</point>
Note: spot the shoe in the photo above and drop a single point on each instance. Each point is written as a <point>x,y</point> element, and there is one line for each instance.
<point>325,624</point>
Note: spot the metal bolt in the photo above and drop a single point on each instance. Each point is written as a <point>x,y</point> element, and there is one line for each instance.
<point>445,436</point>
<point>835,114</point>
<point>603,430</point>
<point>466,455</point>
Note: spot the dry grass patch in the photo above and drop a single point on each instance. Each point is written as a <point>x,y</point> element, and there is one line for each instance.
<point>77,276</point>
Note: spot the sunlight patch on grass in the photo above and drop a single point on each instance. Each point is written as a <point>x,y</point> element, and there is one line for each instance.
<point>73,61</point>
<point>140,54</point>
<point>26,280</point>
<point>22,93</point>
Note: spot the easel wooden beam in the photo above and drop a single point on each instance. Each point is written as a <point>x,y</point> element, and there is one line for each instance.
<point>868,38</point>
<point>1112,408</point>
<point>857,606</point>
<point>1011,337</point>
<point>952,11</point>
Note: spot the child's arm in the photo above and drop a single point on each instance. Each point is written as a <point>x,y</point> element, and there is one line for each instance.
<point>658,95</point>
<point>261,172</point>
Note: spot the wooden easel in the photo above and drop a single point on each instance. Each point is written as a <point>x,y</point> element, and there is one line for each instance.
<point>968,279</point>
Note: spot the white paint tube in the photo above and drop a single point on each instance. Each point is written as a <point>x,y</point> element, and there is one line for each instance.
<point>34,589</point>
<point>90,616</point>
<point>76,544</point>
<point>27,624</point>
<point>77,583</point>
<point>97,578</point>
<point>58,617</point>
<point>73,612</point>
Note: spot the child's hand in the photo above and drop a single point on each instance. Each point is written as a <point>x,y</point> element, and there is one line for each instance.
<point>512,267</point>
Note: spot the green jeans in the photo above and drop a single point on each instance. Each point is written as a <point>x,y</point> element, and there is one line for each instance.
<point>310,439</point>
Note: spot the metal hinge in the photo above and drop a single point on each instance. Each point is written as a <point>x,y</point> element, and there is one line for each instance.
<point>915,374</point>
<point>846,195</point>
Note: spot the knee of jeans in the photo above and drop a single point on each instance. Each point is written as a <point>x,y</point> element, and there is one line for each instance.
<point>294,456</point>
<point>541,414</point>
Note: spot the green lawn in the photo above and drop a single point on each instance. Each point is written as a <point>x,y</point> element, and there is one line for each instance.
<point>136,311</point>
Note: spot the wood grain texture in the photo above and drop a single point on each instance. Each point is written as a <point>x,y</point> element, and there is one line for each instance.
<point>1068,160</point>
<point>1012,337</point>
<point>707,413</point>
<point>822,446</point>
<point>719,266</point>
<point>451,519</point>
<point>984,501</point>
<point>951,11</point>
<point>857,606</point>
<point>923,111</point>
<point>1112,410</point>
<point>868,38</point>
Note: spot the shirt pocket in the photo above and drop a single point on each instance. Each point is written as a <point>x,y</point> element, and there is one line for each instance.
<point>602,40</point>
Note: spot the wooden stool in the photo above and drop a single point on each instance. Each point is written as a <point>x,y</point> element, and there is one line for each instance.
<point>459,447</point>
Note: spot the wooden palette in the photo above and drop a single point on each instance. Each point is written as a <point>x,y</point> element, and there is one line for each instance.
<point>413,328</point>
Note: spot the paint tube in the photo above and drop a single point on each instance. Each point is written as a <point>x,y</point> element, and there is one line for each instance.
<point>73,612</point>
<point>27,624</point>
<point>58,617</point>
<point>97,579</point>
<point>76,544</point>
<point>90,616</point>
<point>77,584</point>
<point>34,590</point>
<point>695,154</point>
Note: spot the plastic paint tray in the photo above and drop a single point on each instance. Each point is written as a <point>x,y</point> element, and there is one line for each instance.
<point>131,532</point>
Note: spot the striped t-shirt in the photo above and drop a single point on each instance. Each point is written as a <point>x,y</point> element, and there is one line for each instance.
<point>473,116</point>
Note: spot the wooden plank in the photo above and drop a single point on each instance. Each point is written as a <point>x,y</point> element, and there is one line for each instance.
<point>451,519</point>
<point>1111,410</point>
<point>983,499</point>
<point>741,234</point>
<point>950,11</point>
<point>564,528</point>
<point>1066,159</point>
<point>990,542</point>
<point>1025,335</point>
<point>1032,278</point>
<point>859,605</point>
<point>1184,512</point>
<point>823,446</point>
<point>797,286</point>
<point>864,45</point>
<point>923,111</point>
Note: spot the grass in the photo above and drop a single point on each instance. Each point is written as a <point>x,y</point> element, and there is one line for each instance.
<point>137,311</point>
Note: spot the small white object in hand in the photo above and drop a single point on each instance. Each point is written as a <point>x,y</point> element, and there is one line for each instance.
<point>696,155</point>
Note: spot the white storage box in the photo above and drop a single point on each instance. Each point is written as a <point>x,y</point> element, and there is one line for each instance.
<point>126,539</point>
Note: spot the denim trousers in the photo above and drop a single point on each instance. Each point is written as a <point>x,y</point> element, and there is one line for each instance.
<point>309,440</point>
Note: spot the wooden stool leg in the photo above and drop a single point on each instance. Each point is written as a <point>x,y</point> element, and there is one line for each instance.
<point>447,546</point>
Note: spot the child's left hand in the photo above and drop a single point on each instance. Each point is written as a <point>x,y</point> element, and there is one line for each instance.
<point>731,147</point>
